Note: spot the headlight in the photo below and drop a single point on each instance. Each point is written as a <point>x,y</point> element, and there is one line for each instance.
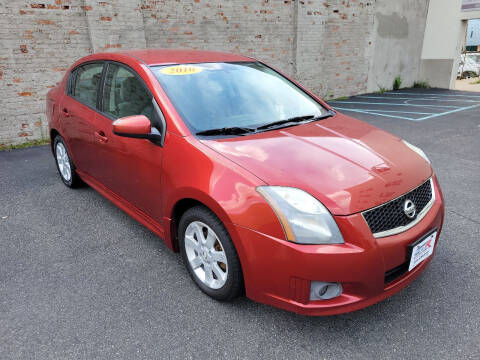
<point>417,150</point>
<point>304,219</point>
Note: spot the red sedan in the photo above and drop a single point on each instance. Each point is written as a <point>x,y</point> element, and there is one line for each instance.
<point>258,183</point>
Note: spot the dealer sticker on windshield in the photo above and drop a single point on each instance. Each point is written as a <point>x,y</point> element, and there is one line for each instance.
<point>422,250</point>
<point>181,70</point>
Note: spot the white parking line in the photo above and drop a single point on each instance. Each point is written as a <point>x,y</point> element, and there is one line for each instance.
<point>416,99</point>
<point>382,112</point>
<point>448,112</point>
<point>403,112</point>
<point>425,94</point>
<point>390,104</point>
<point>390,111</point>
<point>406,99</point>
<point>373,113</point>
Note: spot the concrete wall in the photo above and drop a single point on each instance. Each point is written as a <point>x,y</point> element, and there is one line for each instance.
<point>443,42</point>
<point>334,47</point>
<point>399,28</point>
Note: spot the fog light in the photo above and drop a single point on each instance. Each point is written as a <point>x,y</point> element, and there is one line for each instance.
<point>321,290</point>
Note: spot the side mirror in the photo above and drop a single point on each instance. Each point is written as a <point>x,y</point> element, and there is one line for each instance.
<point>136,126</point>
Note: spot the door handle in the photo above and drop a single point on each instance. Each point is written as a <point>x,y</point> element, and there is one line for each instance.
<point>66,113</point>
<point>100,137</point>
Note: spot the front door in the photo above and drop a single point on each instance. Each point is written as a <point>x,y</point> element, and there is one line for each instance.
<point>129,167</point>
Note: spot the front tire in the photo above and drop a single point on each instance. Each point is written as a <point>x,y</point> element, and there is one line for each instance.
<point>209,254</point>
<point>65,166</point>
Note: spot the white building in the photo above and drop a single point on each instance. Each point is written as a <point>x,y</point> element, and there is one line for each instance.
<point>444,40</point>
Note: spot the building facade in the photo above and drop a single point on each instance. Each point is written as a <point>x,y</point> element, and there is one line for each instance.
<point>335,47</point>
<point>444,40</point>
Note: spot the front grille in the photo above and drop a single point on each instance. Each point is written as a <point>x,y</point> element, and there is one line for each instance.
<point>383,219</point>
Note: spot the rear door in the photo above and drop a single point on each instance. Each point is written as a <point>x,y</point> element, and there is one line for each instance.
<point>78,112</point>
<point>129,167</point>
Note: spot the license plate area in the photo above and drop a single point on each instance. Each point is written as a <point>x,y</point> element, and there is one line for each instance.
<point>421,249</point>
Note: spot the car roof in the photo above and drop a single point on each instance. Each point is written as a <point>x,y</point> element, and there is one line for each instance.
<point>174,56</point>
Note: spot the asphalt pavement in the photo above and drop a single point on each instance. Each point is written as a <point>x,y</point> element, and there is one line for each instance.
<point>80,279</point>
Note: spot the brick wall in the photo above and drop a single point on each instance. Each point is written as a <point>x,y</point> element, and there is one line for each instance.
<point>327,45</point>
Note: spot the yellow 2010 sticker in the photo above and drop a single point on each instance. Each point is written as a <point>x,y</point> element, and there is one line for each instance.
<point>181,70</point>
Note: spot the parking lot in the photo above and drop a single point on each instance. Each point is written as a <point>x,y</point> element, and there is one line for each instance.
<point>80,279</point>
<point>413,105</point>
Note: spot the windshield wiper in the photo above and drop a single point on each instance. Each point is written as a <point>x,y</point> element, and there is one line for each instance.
<point>234,130</point>
<point>237,130</point>
<point>296,119</point>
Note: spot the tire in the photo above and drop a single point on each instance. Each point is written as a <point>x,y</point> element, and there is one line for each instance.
<point>65,166</point>
<point>468,74</point>
<point>225,281</point>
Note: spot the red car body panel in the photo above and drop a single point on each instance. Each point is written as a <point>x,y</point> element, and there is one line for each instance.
<point>348,165</point>
<point>359,264</point>
<point>174,56</point>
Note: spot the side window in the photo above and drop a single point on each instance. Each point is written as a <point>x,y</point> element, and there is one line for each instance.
<point>86,83</point>
<point>124,94</point>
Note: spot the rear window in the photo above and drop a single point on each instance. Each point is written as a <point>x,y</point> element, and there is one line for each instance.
<point>86,83</point>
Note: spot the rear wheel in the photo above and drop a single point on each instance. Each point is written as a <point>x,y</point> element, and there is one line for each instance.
<point>65,166</point>
<point>209,254</point>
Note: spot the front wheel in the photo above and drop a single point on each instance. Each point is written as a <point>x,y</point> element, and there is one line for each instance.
<point>209,254</point>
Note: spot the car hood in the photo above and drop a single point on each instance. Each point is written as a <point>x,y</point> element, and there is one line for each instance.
<point>348,165</point>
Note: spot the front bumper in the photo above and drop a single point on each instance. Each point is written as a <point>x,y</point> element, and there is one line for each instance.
<point>279,273</point>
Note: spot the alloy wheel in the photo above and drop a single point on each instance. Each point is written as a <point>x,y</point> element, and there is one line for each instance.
<point>63,161</point>
<point>206,255</point>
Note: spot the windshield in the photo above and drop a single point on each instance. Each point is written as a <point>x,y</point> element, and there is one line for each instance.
<point>224,95</point>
